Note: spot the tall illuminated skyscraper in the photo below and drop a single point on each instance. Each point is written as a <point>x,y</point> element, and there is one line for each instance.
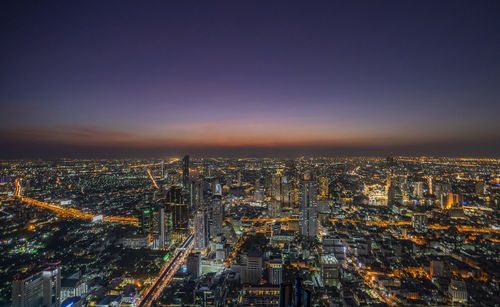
<point>308,207</point>
<point>217,216</point>
<point>201,230</point>
<point>52,285</point>
<point>42,288</point>
<point>27,290</point>
<point>185,172</point>
<point>323,190</point>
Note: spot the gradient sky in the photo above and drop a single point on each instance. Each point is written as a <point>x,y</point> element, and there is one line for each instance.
<point>249,77</point>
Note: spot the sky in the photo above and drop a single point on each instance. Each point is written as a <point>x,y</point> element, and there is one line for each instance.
<point>249,78</point>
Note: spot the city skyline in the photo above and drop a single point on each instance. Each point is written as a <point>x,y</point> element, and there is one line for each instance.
<point>256,79</point>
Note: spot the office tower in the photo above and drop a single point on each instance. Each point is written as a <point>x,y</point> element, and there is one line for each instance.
<point>419,222</point>
<point>418,190</point>
<point>451,200</point>
<point>308,207</point>
<point>205,294</point>
<point>323,188</point>
<point>394,196</point>
<point>437,268</point>
<point>185,172</point>
<point>252,267</point>
<point>274,209</point>
<point>259,296</point>
<point>329,270</point>
<point>193,265</point>
<point>177,207</point>
<point>27,290</point>
<point>73,286</point>
<point>281,189</point>
<point>291,170</point>
<point>218,216</point>
<point>275,271</point>
<point>258,190</point>
<point>52,285</point>
<point>286,295</point>
<point>201,231</point>
<point>276,187</point>
<point>196,194</point>
<point>145,219</point>
<point>458,291</point>
<point>162,228</point>
<point>40,288</point>
<point>294,295</point>
<point>216,188</point>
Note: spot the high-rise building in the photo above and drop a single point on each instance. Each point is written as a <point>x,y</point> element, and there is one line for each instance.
<point>252,267</point>
<point>394,196</point>
<point>42,288</point>
<point>163,229</point>
<point>323,188</point>
<point>451,200</point>
<point>294,295</point>
<point>418,190</point>
<point>419,222</point>
<point>216,188</point>
<point>264,295</point>
<point>274,208</point>
<point>193,264</point>
<point>308,208</point>
<point>329,270</point>
<point>218,215</point>
<point>52,285</point>
<point>275,271</point>
<point>201,231</point>
<point>185,172</point>
<point>437,268</point>
<point>204,295</point>
<point>458,291</point>
<point>27,290</point>
<point>196,195</point>
<point>177,207</point>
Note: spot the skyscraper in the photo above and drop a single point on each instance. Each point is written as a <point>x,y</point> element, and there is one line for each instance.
<point>418,190</point>
<point>217,216</point>
<point>193,265</point>
<point>52,285</point>
<point>27,290</point>
<point>308,207</point>
<point>185,172</point>
<point>177,208</point>
<point>201,231</point>
<point>42,288</point>
<point>252,271</point>
<point>323,191</point>
<point>162,229</point>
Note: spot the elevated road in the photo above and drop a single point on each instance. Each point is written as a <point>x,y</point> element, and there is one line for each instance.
<point>71,212</point>
<point>167,272</point>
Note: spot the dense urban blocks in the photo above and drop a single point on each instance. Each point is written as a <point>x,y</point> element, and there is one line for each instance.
<point>243,232</point>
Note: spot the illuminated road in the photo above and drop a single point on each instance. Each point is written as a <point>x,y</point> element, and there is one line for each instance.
<point>167,272</point>
<point>71,212</point>
<point>460,228</point>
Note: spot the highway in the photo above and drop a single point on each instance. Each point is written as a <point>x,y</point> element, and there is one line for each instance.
<point>71,212</point>
<point>167,272</point>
